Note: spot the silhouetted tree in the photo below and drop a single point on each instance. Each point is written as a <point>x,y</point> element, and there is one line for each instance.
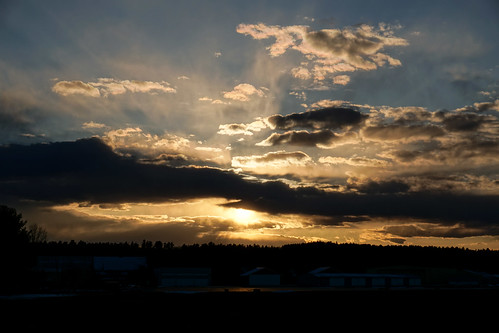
<point>15,256</point>
<point>36,234</point>
<point>13,231</point>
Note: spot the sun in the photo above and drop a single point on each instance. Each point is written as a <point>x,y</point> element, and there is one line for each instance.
<point>244,215</point>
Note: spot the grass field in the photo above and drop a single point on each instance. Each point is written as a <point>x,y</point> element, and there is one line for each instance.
<point>228,309</point>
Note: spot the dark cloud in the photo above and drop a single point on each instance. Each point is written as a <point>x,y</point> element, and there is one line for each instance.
<point>87,170</point>
<point>436,230</point>
<point>468,148</point>
<point>300,138</point>
<point>396,132</point>
<point>434,206</point>
<point>406,156</point>
<point>319,138</point>
<point>388,186</point>
<point>327,118</point>
<point>17,116</point>
<point>168,159</point>
<point>463,122</point>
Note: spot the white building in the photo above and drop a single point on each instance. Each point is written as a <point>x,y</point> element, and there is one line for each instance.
<point>324,276</point>
<point>183,276</point>
<point>261,276</point>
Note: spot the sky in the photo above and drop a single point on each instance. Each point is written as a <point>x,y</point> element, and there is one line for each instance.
<point>252,122</point>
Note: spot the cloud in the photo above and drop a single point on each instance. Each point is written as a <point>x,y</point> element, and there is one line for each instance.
<point>92,125</point>
<point>107,86</point>
<point>485,106</point>
<point>244,129</point>
<point>405,133</point>
<point>481,107</point>
<point>330,50</point>
<point>242,92</point>
<point>357,161</point>
<point>384,186</point>
<point>66,88</point>
<point>162,148</point>
<point>212,101</point>
<point>463,122</point>
<point>341,79</point>
<point>320,138</point>
<point>437,230</point>
<point>325,118</point>
<point>278,159</point>
<point>471,151</point>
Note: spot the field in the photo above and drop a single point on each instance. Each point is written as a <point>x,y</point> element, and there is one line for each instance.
<point>260,309</point>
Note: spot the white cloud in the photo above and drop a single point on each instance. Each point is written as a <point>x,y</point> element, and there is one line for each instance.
<point>278,159</point>
<point>341,79</point>
<point>66,88</point>
<point>243,91</point>
<point>93,125</point>
<point>211,100</point>
<point>108,86</point>
<point>357,161</point>
<point>152,146</point>
<point>329,50</point>
<point>244,129</point>
<point>301,73</point>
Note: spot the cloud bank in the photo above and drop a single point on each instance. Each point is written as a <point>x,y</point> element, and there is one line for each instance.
<point>89,171</point>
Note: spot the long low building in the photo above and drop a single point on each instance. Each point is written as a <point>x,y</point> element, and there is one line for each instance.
<point>183,276</point>
<point>325,277</point>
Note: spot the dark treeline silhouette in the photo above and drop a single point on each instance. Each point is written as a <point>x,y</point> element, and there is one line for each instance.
<point>344,256</point>
<point>228,261</point>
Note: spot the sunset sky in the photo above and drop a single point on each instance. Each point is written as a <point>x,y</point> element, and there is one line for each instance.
<point>267,122</point>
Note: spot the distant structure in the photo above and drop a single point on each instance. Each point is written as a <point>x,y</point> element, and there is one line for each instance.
<point>83,271</point>
<point>119,264</point>
<point>261,277</point>
<point>327,277</point>
<point>182,276</point>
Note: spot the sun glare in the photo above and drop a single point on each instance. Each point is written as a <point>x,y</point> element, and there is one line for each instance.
<point>244,215</point>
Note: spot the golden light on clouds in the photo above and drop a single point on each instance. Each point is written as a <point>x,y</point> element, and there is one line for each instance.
<point>244,216</point>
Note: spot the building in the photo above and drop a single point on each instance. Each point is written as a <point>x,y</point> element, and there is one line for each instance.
<point>260,277</point>
<point>121,264</point>
<point>65,271</point>
<point>86,271</point>
<point>183,276</point>
<point>120,272</point>
<point>326,277</point>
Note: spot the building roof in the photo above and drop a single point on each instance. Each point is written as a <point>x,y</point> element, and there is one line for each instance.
<point>260,271</point>
<point>331,273</point>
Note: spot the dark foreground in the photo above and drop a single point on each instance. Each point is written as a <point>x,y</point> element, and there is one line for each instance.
<point>390,310</point>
